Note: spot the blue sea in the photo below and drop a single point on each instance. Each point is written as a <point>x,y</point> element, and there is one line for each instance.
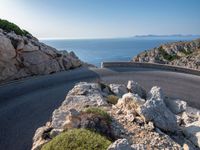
<point>95,51</point>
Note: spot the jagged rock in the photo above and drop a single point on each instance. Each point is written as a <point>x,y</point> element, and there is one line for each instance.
<point>81,96</point>
<point>91,90</point>
<point>155,93</point>
<point>130,98</point>
<point>135,88</point>
<point>120,144</point>
<point>7,70</point>
<point>176,106</point>
<point>192,132</point>
<point>23,56</point>
<point>118,89</point>
<point>30,47</point>
<point>7,51</point>
<point>39,63</point>
<point>156,111</point>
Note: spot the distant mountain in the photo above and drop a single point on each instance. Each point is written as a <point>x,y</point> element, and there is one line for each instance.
<point>173,35</point>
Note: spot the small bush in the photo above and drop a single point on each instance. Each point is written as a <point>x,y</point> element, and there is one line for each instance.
<point>185,52</point>
<point>98,111</point>
<point>167,56</point>
<point>78,139</point>
<point>8,26</point>
<point>112,99</point>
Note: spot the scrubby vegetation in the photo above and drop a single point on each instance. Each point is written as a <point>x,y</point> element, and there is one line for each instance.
<point>98,111</point>
<point>78,139</point>
<point>8,26</point>
<point>186,52</point>
<point>167,56</point>
<point>112,99</point>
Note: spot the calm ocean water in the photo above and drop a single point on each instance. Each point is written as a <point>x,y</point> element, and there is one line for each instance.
<point>97,50</point>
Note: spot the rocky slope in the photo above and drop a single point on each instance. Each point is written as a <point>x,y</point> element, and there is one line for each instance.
<point>23,56</point>
<point>128,116</point>
<point>185,54</point>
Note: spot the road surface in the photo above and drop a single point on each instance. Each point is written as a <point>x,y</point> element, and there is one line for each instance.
<point>27,104</point>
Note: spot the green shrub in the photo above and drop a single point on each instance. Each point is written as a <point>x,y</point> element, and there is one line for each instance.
<point>78,139</point>
<point>167,56</point>
<point>185,52</point>
<point>8,26</point>
<point>98,111</point>
<point>112,99</point>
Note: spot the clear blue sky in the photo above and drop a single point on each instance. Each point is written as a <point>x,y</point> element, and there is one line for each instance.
<point>103,18</point>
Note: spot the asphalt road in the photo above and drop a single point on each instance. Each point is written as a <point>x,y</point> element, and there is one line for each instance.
<point>27,104</point>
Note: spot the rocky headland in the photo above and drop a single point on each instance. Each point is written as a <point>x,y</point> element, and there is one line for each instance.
<point>22,55</point>
<point>119,117</point>
<point>184,54</point>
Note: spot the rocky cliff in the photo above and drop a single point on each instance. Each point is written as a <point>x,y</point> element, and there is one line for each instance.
<point>185,54</point>
<point>128,116</point>
<point>23,56</point>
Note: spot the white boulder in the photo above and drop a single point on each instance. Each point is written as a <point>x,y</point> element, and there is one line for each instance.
<point>135,88</point>
<point>156,111</point>
<point>118,89</point>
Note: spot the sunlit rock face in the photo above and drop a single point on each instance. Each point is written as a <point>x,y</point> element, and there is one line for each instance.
<point>24,56</point>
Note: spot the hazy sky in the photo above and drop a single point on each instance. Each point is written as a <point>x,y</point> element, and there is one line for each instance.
<point>103,18</point>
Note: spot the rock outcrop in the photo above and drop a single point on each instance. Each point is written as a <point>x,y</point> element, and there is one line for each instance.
<point>23,56</point>
<point>155,110</point>
<point>132,123</point>
<point>184,54</point>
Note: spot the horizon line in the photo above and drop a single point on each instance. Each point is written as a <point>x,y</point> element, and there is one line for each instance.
<point>135,36</point>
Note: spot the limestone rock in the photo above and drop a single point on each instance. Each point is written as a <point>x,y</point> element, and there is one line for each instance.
<point>176,106</point>
<point>91,90</point>
<point>118,89</point>
<point>7,51</point>
<point>155,93</point>
<point>120,144</point>
<point>30,47</point>
<point>41,137</point>
<point>82,95</point>
<point>135,88</point>
<point>23,56</point>
<point>156,111</point>
<point>130,97</point>
<point>192,132</point>
<point>7,70</point>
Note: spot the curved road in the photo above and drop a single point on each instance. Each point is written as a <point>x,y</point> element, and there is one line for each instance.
<point>27,104</point>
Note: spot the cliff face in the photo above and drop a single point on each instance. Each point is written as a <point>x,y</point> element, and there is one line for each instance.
<point>185,54</point>
<point>23,56</point>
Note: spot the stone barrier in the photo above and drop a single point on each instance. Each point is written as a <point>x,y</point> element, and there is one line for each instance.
<point>150,65</point>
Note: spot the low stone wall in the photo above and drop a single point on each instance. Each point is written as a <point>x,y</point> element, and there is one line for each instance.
<point>150,65</point>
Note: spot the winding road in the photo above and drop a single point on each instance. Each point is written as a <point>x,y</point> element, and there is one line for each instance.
<point>27,104</point>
